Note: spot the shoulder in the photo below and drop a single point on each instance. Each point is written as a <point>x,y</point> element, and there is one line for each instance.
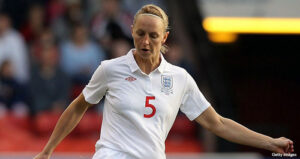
<point>180,74</point>
<point>176,70</point>
<point>115,64</point>
<point>116,61</point>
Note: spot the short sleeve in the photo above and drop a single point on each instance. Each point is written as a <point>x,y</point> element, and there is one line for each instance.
<point>97,86</point>
<point>193,102</point>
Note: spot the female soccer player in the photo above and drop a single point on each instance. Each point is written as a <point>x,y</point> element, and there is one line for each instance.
<point>143,94</point>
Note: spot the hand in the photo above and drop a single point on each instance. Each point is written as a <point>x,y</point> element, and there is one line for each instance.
<point>283,145</point>
<point>42,156</point>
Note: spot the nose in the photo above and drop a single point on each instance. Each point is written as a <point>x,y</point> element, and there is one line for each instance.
<point>145,39</point>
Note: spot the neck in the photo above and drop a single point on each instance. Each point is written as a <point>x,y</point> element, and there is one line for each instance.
<point>149,64</point>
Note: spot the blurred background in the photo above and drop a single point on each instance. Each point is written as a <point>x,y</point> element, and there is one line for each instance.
<point>242,53</point>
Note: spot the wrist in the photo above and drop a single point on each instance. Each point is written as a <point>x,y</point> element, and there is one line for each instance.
<point>271,145</point>
<point>47,151</point>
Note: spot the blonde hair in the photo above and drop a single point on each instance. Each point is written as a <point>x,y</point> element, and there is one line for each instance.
<point>151,9</point>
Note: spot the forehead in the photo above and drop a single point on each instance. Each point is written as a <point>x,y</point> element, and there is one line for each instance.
<point>149,22</point>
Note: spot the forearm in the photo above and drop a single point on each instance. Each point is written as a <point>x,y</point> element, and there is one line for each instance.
<point>66,123</point>
<point>235,132</point>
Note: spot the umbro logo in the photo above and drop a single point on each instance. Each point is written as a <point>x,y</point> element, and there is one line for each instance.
<point>130,79</point>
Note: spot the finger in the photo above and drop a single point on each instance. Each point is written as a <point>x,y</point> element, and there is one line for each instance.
<point>287,148</point>
<point>291,149</point>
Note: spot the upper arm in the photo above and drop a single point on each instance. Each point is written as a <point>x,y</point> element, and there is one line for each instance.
<point>78,106</point>
<point>80,100</point>
<point>210,119</point>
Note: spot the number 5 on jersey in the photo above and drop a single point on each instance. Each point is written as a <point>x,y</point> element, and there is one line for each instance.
<point>147,104</point>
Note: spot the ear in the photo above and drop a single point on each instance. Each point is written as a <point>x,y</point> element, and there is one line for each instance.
<point>165,37</point>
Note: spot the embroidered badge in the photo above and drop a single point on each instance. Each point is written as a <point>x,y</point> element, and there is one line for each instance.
<point>167,84</point>
<point>130,79</point>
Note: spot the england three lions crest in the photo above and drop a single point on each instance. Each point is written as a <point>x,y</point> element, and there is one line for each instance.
<point>167,84</point>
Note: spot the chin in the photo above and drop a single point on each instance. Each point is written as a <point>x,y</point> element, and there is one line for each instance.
<point>145,56</point>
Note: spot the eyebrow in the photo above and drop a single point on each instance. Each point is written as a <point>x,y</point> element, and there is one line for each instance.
<point>140,30</point>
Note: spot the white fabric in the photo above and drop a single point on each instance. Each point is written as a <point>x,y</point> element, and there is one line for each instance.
<point>107,153</point>
<point>124,127</point>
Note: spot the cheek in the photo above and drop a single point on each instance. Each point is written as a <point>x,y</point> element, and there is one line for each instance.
<point>136,40</point>
<point>157,43</point>
<point>156,40</point>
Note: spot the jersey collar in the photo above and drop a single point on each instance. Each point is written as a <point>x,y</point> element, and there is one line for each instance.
<point>134,67</point>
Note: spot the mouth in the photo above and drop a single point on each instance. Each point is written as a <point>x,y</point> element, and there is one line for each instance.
<point>146,50</point>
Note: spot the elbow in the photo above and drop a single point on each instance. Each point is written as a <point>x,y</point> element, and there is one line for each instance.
<point>217,127</point>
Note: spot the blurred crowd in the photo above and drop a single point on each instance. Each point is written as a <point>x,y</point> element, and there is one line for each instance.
<point>50,48</point>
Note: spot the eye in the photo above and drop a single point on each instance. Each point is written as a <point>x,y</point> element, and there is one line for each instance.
<point>140,33</point>
<point>153,35</point>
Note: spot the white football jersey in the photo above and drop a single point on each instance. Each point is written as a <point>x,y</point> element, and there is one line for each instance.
<point>140,109</point>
